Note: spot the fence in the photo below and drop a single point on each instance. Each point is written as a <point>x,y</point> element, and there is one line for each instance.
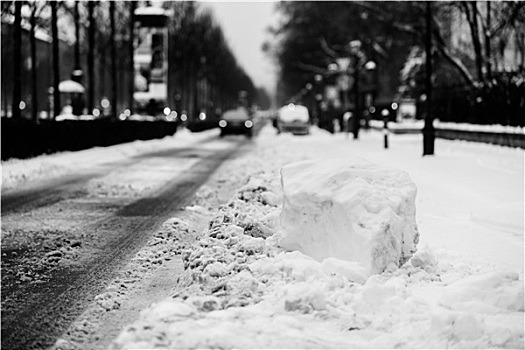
<point>24,139</point>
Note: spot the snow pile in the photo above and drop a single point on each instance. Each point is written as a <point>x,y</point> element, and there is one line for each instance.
<point>237,234</point>
<point>349,209</point>
<point>419,124</point>
<point>18,172</point>
<point>241,290</point>
<point>244,292</point>
<point>495,128</point>
<point>492,293</point>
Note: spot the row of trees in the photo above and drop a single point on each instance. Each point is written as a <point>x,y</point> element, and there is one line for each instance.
<point>46,42</point>
<point>313,34</point>
<point>92,42</point>
<point>471,44</point>
<point>206,74</point>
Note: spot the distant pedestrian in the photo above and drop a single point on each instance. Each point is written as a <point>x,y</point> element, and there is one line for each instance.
<point>151,107</point>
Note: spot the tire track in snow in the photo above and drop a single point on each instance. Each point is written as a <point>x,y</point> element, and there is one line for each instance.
<point>44,311</point>
<point>53,191</point>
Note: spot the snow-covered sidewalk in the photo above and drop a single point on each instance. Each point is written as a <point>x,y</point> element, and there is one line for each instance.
<point>463,289</point>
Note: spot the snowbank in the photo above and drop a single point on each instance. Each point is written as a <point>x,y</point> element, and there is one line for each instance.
<point>19,172</point>
<point>241,290</point>
<point>349,209</point>
<point>419,124</point>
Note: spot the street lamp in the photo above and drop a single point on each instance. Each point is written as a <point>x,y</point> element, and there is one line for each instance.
<point>355,51</point>
<point>371,70</point>
<point>370,65</point>
<point>355,45</point>
<point>318,79</point>
<point>333,67</point>
<point>309,98</point>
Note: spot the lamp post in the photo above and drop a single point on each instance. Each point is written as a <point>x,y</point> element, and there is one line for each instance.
<point>355,51</point>
<point>371,70</point>
<point>309,100</point>
<point>318,78</point>
<point>357,117</point>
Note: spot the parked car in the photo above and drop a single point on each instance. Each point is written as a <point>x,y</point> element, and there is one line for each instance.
<point>293,118</point>
<point>236,121</point>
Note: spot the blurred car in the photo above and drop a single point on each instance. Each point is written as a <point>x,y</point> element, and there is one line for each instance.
<point>294,118</point>
<point>236,121</point>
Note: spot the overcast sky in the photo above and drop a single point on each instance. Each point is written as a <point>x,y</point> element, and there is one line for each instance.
<point>244,25</point>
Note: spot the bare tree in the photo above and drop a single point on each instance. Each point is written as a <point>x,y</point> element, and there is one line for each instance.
<point>77,37</point>
<point>471,11</point>
<point>490,26</point>
<point>428,130</point>
<point>486,32</point>
<point>113,61</point>
<point>132,7</point>
<point>91,56</point>
<point>56,63</point>
<point>17,63</point>
<point>34,99</point>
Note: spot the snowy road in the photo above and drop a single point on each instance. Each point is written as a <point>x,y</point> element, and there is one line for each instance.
<point>64,238</point>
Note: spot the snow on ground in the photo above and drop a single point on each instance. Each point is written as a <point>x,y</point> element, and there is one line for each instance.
<point>419,124</point>
<point>462,289</point>
<point>16,172</point>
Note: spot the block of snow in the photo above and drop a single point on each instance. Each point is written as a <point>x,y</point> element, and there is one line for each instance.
<point>349,209</point>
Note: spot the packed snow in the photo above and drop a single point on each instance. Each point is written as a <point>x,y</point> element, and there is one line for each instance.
<point>349,209</point>
<point>458,277</point>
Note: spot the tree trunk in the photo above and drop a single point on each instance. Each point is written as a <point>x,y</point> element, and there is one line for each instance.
<point>186,87</point>
<point>56,58</point>
<point>428,130</point>
<point>113,61</point>
<point>133,6</point>
<point>17,62</point>
<point>195,90</point>
<point>102,43</point>
<point>357,111</point>
<point>77,37</point>
<point>488,53</point>
<point>91,56</point>
<point>34,93</point>
<point>472,18</point>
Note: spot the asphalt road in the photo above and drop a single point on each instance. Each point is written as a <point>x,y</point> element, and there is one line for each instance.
<point>61,243</point>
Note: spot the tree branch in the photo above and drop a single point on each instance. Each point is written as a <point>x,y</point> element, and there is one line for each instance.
<point>458,64</point>
<point>327,49</point>
<point>508,19</point>
<point>442,48</point>
<point>381,16</point>
<point>310,68</point>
